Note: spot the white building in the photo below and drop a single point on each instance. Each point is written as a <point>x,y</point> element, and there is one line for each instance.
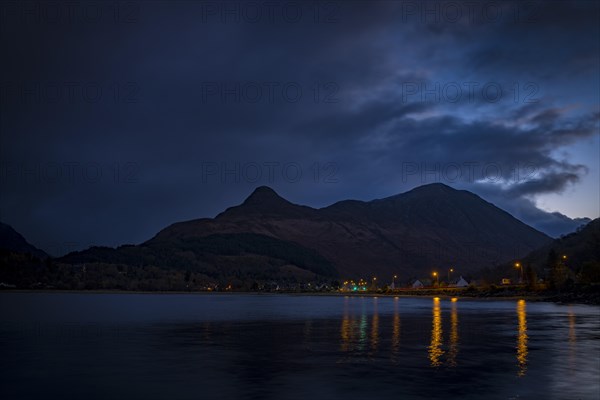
<point>461,282</point>
<point>417,284</point>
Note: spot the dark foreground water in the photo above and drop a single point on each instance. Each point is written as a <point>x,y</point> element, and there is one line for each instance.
<point>140,346</point>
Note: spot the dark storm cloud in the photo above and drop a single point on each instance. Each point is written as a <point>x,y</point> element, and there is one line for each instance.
<point>549,183</point>
<point>392,131</point>
<point>179,99</point>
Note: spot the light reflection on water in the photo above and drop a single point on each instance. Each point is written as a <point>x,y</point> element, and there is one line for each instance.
<point>435,348</point>
<point>572,338</point>
<point>453,346</point>
<point>522,337</point>
<point>375,327</point>
<point>396,330</point>
<point>295,347</point>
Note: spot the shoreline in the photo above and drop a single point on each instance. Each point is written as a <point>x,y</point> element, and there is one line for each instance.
<point>555,298</point>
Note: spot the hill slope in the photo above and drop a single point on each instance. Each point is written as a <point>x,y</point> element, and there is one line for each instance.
<point>578,253</point>
<point>411,234</point>
<point>579,247</point>
<point>13,241</point>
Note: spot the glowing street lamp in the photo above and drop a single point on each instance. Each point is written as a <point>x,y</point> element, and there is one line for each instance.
<point>450,271</point>
<point>518,266</point>
<point>436,276</point>
<point>394,281</point>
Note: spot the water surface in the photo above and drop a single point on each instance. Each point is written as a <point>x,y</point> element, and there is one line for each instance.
<point>146,346</point>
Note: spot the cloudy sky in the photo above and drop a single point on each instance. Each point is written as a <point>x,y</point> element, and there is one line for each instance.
<point>118,119</point>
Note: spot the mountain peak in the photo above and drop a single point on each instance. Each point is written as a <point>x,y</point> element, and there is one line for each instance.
<point>264,195</point>
<point>12,240</point>
<point>264,190</point>
<point>435,189</point>
<point>265,201</point>
<point>436,186</point>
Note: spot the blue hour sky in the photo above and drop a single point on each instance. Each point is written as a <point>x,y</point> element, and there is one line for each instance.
<point>119,119</point>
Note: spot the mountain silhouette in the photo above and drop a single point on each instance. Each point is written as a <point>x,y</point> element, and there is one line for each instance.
<point>12,240</point>
<point>430,228</point>
<point>579,247</point>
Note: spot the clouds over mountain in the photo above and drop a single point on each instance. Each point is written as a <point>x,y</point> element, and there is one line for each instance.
<point>499,98</point>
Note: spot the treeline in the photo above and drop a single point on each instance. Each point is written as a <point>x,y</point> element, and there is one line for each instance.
<point>568,262</point>
<point>556,274</point>
<point>233,254</point>
<point>23,271</point>
<point>245,273</point>
<point>250,243</point>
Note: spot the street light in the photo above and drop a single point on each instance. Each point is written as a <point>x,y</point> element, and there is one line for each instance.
<point>449,271</point>
<point>435,274</point>
<point>518,266</point>
<point>394,281</point>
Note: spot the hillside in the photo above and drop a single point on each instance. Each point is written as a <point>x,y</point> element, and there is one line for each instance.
<point>12,240</point>
<point>579,247</point>
<point>410,234</point>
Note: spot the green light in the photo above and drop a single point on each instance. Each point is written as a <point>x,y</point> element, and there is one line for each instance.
<point>354,288</point>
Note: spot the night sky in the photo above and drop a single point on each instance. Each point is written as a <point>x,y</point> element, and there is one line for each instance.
<point>120,118</point>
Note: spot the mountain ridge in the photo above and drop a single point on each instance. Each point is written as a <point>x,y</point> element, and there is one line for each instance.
<point>409,234</point>
<point>12,240</point>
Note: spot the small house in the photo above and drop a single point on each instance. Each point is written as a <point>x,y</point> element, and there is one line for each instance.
<point>417,284</point>
<point>461,282</point>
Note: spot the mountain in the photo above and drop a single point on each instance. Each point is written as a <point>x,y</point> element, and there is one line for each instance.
<point>556,224</point>
<point>577,252</point>
<point>580,247</point>
<point>432,227</point>
<point>13,241</point>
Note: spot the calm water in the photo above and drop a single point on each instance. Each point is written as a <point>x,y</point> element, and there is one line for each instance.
<point>139,346</point>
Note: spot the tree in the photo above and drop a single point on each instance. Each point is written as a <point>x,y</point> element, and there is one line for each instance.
<point>590,272</point>
<point>50,265</point>
<point>558,270</point>
<point>530,277</point>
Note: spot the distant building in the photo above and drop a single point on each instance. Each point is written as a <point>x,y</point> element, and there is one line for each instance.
<point>460,282</point>
<point>417,284</point>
